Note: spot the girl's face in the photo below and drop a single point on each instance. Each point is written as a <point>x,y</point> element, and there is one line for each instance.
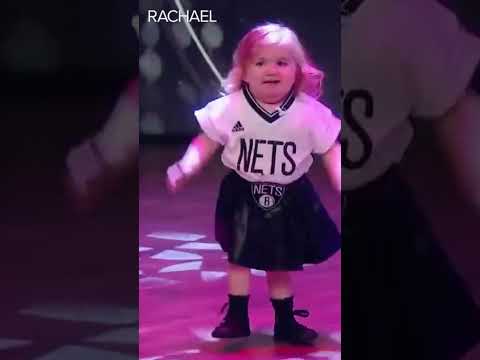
<point>270,73</point>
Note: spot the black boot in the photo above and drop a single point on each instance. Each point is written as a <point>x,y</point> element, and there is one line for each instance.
<point>287,329</point>
<point>236,322</point>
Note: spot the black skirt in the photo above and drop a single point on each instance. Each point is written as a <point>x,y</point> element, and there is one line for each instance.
<point>403,297</point>
<point>272,227</point>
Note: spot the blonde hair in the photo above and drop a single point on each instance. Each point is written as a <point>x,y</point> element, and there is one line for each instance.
<point>308,79</point>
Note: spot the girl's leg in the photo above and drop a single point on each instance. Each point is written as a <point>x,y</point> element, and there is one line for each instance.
<point>279,284</point>
<point>238,280</point>
<point>236,321</point>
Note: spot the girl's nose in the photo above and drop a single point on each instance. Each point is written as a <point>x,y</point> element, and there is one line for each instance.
<point>272,68</point>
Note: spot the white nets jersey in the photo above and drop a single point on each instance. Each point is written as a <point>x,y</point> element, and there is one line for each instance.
<point>400,59</point>
<point>272,147</point>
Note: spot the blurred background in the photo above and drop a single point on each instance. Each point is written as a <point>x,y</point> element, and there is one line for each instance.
<point>62,69</point>
<point>69,259</point>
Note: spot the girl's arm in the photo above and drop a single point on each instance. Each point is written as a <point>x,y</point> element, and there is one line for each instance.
<point>333,166</point>
<point>198,153</point>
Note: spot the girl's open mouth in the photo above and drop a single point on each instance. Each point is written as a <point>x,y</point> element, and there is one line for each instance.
<point>271,81</point>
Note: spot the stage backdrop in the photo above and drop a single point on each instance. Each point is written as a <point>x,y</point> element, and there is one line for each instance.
<point>176,79</point>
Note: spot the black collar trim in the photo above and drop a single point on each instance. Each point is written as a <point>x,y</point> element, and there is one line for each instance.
<point>268,116</point>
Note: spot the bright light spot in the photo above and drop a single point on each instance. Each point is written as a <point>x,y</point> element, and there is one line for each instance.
<point>187,92</point>
<point>150,65</point>
<point>212,35</point>
<point>181,35</point>
<point>181,352</point>
<point>152,124</point>
<point>172,235</point>
<point>204,334</point>
<point>209,276</point>
<point>153,282</point>
<point>200,246</point>
<point>176,255</point>
<point>189,266</point>
<point>256,272</point>
<point>328,355</point>
<point>150,34</point>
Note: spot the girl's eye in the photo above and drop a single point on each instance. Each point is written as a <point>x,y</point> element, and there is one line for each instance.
<point>259,63</point>
<point>282,63</point>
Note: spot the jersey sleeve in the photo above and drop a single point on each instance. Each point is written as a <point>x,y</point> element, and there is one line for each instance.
<point>325,130</point>
<point>211,118</point>
<point>443,58</point>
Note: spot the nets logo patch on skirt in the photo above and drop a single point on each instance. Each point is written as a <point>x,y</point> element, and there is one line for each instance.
<point>267,195</point>
<point>268,226</point>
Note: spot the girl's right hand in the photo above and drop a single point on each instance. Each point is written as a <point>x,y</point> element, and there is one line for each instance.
<point>176,178</point>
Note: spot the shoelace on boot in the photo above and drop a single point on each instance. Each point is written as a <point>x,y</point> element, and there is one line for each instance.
<point>298,312</point>
<point>301,313</point>
<point>222,310</point>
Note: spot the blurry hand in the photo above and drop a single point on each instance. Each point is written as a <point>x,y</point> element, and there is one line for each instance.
<point>176,178</point>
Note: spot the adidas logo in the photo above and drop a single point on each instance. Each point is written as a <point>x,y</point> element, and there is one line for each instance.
<point>238,127</point>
